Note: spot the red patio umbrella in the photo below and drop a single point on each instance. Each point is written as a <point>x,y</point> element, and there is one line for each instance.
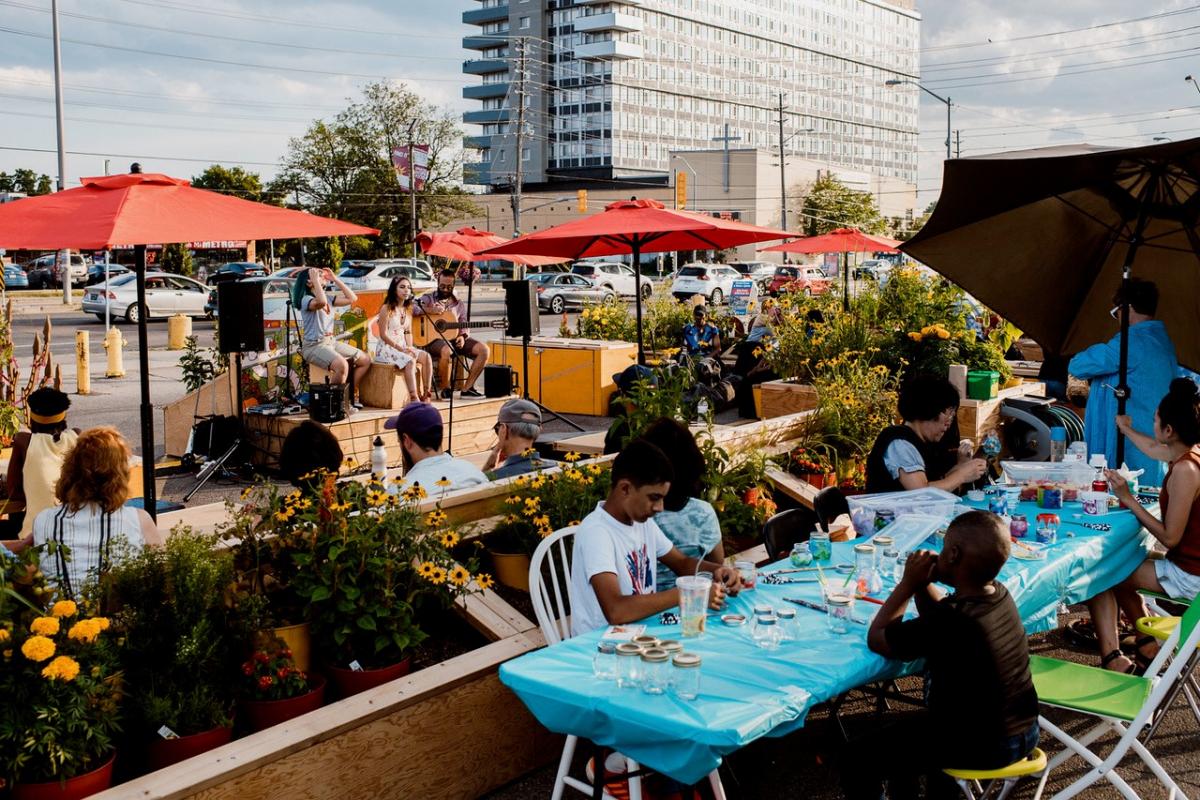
<point>636,227</point>
<point>140,209</point>
<point>839,240</point>
<point>466,244</point>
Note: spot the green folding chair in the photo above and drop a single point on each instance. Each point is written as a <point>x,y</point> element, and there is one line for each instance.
<point>1124,704</point>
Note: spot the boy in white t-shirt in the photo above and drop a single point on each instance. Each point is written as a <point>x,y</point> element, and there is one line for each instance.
<point>617,548</point>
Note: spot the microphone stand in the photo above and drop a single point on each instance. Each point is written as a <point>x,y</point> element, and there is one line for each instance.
<point>450,347</point>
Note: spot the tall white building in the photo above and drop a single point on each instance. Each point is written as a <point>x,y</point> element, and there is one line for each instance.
<point>612,88</point>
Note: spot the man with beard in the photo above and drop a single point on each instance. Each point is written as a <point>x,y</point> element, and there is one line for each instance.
<point>440,300</point>
<point>419,429</point>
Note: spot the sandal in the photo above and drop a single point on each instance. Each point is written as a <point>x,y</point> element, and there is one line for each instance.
<point>1142,660</point>
<point>1113,656</point>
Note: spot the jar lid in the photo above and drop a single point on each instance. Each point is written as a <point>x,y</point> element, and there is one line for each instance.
<point>670,645</point>
<point>655,654</point>
<point>840,600</point>
<point>844,569</point>
<point>786,613</point>
<point>766,619</point>
<point>733,619</point>
<point>864,548</point>
<point>760,609</point>
<point>645,641</point>
<point>607,647</point>
<point>686,660</point>
<point>884,541</point>
<point>800,546</point>
<point>628,649</point>
<point>819,535</point>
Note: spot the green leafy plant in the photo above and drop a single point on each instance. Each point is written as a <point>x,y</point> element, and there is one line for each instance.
<point>544,502</point>
<point>60,679</point>
<point>271,674</point>
<point>666,392</point>
<point>737,487</point>
<point>177,258</point>
<point>183,640</point>
<point>855,401</point>
<point>199,365</point>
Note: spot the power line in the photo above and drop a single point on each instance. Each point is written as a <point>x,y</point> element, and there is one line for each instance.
<point>1054,76</point>
<point>156,111</point>
<point>1135,41</point>
<point>1115,63</point>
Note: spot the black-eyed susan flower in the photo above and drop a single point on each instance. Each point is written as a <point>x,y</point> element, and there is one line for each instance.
<point>459,575</point>
<point>425,570</point>
<point>484,581</point>
<point>435,518</point>
<point>572,457</point>
<point>449,539</point>
<point>439,576</point>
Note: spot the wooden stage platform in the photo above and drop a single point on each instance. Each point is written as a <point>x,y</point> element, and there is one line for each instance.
<point>471,434</point>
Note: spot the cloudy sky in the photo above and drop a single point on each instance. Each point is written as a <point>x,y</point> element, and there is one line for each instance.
<point>179,84</point>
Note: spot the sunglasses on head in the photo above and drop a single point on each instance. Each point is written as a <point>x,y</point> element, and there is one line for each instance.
<point>1115,312</point>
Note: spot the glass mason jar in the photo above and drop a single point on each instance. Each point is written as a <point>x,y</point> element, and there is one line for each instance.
<point>672,646</point>
<point>766,632</point>
<point>604,661</point>
<point>864,567</point>
<point>628,665</point>
<point>820,546</point>
<point>655,670</point>
<point>898,567</point>
<point>685,676</point>
<point>801,555</point>
<point>788,628</point>
<point>839,608</point>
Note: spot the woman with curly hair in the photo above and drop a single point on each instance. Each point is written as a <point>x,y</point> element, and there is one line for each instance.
<point>76,538</point>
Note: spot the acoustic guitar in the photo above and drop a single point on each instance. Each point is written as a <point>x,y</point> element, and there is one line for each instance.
<point>426,326</point>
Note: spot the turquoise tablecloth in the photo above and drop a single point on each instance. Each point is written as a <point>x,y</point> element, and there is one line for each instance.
<point>747,692</point>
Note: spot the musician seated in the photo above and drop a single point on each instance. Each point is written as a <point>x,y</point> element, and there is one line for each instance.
<point>443,301</point>
<point>318,347</point>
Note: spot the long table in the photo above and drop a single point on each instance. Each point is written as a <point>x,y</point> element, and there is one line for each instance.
<point>747,693</point>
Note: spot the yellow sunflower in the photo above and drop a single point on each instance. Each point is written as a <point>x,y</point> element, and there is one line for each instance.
<point>572,457</point>
<point>459,575</point>
<point>439,576</point>
<point>449,539</point>
<point>542,521</point>
<point>376,498</point>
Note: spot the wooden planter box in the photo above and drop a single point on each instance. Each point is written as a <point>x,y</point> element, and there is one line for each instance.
<point>780,398</point>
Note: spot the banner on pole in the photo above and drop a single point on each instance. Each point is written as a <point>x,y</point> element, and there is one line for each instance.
<point>404,169</point>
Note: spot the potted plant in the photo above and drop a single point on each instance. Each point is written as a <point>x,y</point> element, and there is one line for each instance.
<point>60,679</point>
<point>538,505</point>
<point>811,463</point>
<point>274,688</point>
<point>857,401</point>
<point>369,564</point>
<point>737,487</point>
<point>173,607</point>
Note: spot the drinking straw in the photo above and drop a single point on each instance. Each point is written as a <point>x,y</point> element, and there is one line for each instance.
<point>820,575</point>
<point>867,599</point>
<point>849,576</point>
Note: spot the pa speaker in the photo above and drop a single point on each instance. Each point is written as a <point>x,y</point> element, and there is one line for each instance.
<point>240,317</point>
<point>521,308</point>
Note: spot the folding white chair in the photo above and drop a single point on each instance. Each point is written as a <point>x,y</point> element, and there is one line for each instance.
<point>548,593</point>
<point>1124,704</point>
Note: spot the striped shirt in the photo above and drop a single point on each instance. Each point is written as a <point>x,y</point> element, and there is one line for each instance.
<point>91,539</point>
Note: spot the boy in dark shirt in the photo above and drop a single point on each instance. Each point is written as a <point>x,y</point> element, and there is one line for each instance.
<point>981,705</point>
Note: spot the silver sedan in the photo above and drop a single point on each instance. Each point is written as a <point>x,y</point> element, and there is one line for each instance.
<point>556,291</point>
<point>166,294</point>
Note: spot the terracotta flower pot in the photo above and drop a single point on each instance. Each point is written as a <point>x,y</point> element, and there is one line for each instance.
<point>262,714</point>
<point>299,641</point>
<point>80,786</point>
<point>511,569</point>
<point>165,752</point>
<point>347,682</point>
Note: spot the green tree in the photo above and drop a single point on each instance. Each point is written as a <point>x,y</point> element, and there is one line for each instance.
<point>233,181</point>
<point>177,258</point>
<point>830,204</point>
<point>25,181</point>
<point>328,252</point>
<point>343,167</point>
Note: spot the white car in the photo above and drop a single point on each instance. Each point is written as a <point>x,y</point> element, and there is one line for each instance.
<point>376,276</point>
<point>166,295</point>
<point>614,276</point>
<point>713,281</point>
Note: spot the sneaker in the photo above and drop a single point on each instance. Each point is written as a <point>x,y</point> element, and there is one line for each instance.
<point>357,405</point>
<point>446,394</point>
<point>470,393</point>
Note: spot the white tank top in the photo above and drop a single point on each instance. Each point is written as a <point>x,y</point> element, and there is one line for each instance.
<point>43,463</point>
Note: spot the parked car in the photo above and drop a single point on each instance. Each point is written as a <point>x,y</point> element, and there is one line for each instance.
<point>95,273</point>
<point>872,269</point>
<point>713,281</point>
<point>613,276</point>
<point>376,276</point>
<point>808,281</point>
<point>760,272</point>
<point>15,277</point>
<point>273,288</point>
<point>166,294</point>
<point>288,272</point>
<point>558,291</point>
<point>45,273</point>
<point>237,271</point>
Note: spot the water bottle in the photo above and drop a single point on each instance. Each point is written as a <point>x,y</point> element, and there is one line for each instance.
<point>702,409</point>
<point>379,466</point>
<point>1058,443</point>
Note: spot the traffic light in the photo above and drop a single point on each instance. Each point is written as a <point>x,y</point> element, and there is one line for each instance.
<point>582,204</point>
<point>681,190</point>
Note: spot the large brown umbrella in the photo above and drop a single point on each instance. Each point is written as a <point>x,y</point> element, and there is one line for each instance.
<point>1045,236</point>
<point>140,209</point>
<point>636,227</point>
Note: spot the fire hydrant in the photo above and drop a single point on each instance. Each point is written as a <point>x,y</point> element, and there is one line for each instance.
<point>113,342</point>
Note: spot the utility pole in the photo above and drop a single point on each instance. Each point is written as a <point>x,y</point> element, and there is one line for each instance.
<point>782,172</point>
<point>726,139</point>
<point>958,143</point>
<point>519,171</point>
<point>412,186</point>
<point>64,256</point>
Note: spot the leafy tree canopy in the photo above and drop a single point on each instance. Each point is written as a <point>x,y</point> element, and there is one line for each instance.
<point>830,204</point>
<point>25,181</point>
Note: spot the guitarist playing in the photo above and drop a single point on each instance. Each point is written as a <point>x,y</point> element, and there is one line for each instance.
<point>443,299</point>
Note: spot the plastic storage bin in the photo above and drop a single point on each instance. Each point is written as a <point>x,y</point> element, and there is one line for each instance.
<point>983,384</point>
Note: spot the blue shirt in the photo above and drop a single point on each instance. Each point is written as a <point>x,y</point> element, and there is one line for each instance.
<point>700,340</point>
<point>694,529</point>
<point>519,465</point>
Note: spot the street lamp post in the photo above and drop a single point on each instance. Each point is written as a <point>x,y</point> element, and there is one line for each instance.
<point>1192,81</point>
<point>946,100</point>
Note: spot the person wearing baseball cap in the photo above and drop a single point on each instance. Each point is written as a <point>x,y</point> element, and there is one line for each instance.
<point>37,456</point>
<point>517,428</point>
<point>419,429</point>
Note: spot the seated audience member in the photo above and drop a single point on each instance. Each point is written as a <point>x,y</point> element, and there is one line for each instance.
<point>443,299</point>
<point>37,457</point>
<point>1176,441</point>
<point>981,707</point>
<point>92,488</point>
<point>906,456</point>
<point>617,548</point>
<point>701,338</point>
<point>419,429</point>
<point>689,522</point>
<point>517,428</point>
<point>309,447</point>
